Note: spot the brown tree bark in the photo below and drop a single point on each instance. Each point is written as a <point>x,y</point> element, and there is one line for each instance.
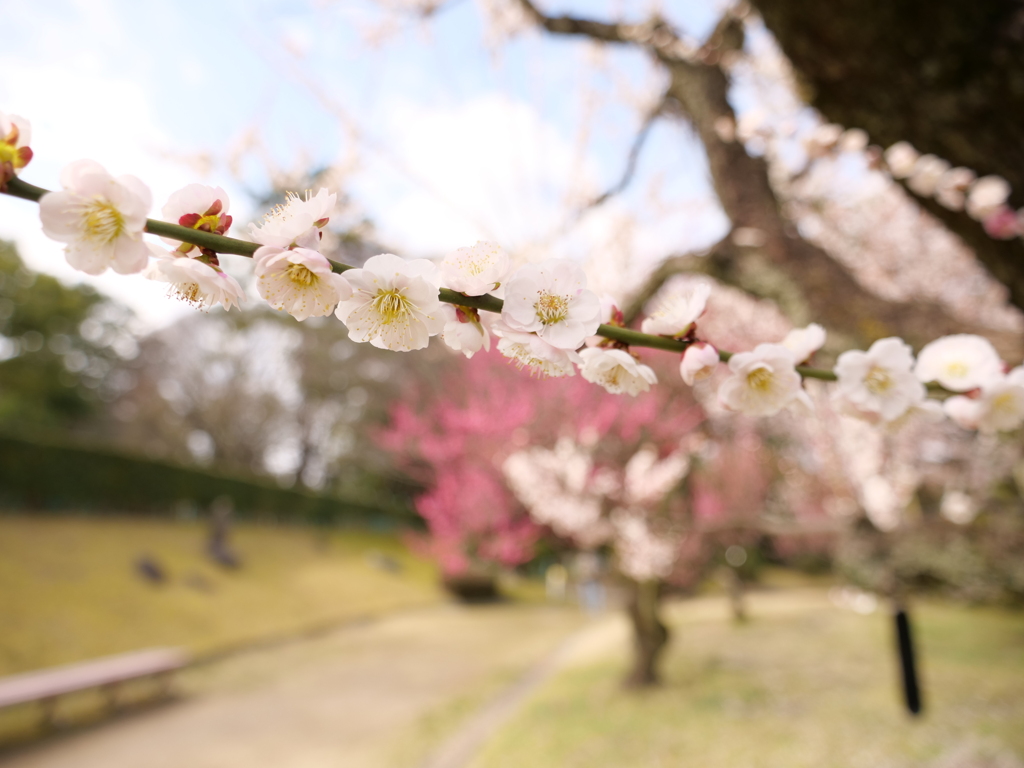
<point>827,292</point>
<point>945,75</point>
<point>650,635</point>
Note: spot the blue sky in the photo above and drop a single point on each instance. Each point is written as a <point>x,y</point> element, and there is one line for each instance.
<point>442,137</point>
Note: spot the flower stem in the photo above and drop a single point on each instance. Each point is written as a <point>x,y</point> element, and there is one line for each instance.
<point>221,244</point>
<point>218,243</point>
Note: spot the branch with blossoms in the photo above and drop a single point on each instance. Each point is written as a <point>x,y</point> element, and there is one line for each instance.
<point>543,315</point>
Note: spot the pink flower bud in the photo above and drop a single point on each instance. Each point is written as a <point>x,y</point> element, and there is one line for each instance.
<point>1002,223</point>
<point>699,361</point>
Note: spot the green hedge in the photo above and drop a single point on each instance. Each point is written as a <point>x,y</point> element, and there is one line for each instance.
<point>47,476</point>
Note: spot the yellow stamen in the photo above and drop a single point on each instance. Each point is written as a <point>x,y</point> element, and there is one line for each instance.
<point>301,275</point>
<point>551,309</point>
<point>283,211</point>
<point>878,381</point>
<point>760,379</point>
<point>957,370</point>
<point>1004,403</point>
<point>391,306</point>
<point>187,292</point>
<point>522,357</point>
<point>102,221</point>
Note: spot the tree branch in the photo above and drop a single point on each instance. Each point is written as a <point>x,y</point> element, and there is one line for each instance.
<point>595,30</point>
<point>221,244</point>
<point>634,154</point>
<point>831,295</point>
<point>942,74</point>
<point>1004,259</point>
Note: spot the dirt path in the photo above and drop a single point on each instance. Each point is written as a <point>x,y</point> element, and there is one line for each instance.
<point>339,701</point>
<point>459,749</point>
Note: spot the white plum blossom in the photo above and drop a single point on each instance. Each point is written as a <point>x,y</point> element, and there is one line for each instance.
<point>999,406</point>
<point>822,139</point>
<point>641,554</point>
<point>960,362</point>
<point>880,380</point>
<point>100,217</point>
<point>528,350</point>
<point>15,153</point>
<point>923,411</point>
<point>763,382</point>
<point>193,281</point>
<point>475,270</point>
<point>465,331</point>
<point>986,196</point>
<point>296,222</point>
<point>924,179</point>
<point>616,370</point>
<point>200,207</point>
<point>560,488</point>
<point>610,311</point>
<point>958,507</point>
<point>900,159</point>
<point>395,303</point>
<point>882,503</point>
<point>552,300</point>
<point>951,187</point>
<point>298,281</point>
<point>804,342</point>
<point>647,479</point>
<point>700,360</point>
<point>963,411</point>
<point>675,314</point>
<point>854,140</point>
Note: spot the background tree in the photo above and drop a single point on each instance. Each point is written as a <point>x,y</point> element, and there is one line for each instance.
<point>593,469</point>
<point>698,91</point>
<point>946,76</point>
<point>61,352</point>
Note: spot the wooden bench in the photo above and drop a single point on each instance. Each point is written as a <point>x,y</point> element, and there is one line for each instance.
<point>106,674</point>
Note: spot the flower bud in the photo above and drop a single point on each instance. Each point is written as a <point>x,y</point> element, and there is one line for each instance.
<point>699,361</point>
<point>1002,223</point>
<point>15,153</point>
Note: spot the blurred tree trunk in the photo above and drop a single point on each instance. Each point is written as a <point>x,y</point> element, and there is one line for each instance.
<point>650,635</point>
<point>816,287</point>
<point>945,75</point>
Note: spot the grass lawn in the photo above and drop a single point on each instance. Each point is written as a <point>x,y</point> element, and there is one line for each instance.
<point>804,683</point>
<point>69,590</point>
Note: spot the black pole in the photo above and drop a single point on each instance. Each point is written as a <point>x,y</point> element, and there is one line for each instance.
<point>908,667</point>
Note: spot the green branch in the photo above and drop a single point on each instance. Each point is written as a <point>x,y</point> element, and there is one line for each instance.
<point>221,244</point>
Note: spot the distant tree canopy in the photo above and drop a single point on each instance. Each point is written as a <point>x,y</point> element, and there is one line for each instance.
<point>57,343</point>
<point>73,374</point>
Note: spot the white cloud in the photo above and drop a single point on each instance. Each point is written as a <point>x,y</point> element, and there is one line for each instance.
<point>491,167</point>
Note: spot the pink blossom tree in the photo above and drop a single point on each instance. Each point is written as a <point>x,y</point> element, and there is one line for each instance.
<point>591,468</point>
<point>449,436</point>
